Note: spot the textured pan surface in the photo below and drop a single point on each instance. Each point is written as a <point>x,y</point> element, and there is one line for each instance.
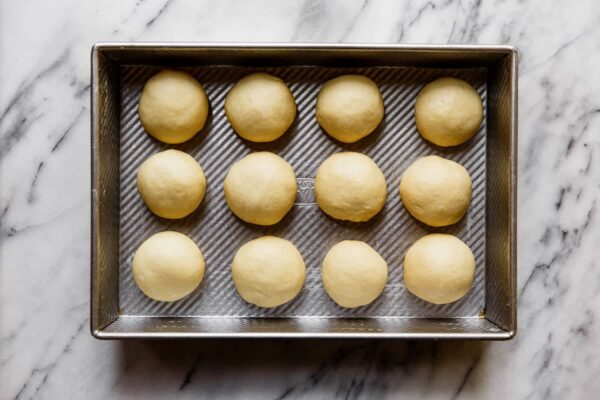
<point>394,146</point>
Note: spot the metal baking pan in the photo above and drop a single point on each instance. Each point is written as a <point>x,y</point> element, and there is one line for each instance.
<point>120,222</point>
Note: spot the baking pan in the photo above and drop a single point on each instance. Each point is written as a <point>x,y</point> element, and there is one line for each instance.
<point>120,221</point>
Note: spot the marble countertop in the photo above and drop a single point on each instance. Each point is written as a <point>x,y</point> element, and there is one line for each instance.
<point>46,350</point>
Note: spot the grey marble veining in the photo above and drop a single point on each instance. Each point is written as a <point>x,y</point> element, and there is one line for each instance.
<point>46,350</point>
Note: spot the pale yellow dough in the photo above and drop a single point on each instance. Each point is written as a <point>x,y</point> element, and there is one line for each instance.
<point>268,271</point>
<point>439,268</point>
<point>171,183</point>
<point>173,106</point>
<point>448,112</point>
<point>349,107</point>
<point>260,107</point>
<point>353,273</point>
<point>168,266</point>
<point>350,186</point>
<point>436,191</point>
<point>260,188</point>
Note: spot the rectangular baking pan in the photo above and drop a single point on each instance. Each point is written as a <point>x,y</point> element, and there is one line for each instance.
<point>120,221</point>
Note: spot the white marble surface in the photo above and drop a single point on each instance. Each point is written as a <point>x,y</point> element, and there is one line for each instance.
<point>46,351</point>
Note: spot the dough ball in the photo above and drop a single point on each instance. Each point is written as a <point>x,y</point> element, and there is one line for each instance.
<point>260,107</point>
<point>173,106</point>
<point>439,268</point>
<point>171,183</point>
<point>354,274</point>
<point>436,191</point>
<point>448,112</point>
<point>349,107</point>
<point>350,186</point>
<point>260,188</point>
<point>168,266</point>
<point>268,271</point>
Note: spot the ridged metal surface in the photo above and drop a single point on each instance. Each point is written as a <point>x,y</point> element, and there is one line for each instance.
<point>219,234</point>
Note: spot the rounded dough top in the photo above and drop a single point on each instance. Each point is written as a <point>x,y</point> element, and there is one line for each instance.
<point>353,273</point>
<point>439,268</point>
<point>260,188</point>
<point>260,107</point>
<point>168,266</point>
<point>173,106</point>
<point>171,183</point>
<point>448,112</point>
<point>350,186</point>
<point>349,107</point>
<point>268,271</point>
<point>436,191</point>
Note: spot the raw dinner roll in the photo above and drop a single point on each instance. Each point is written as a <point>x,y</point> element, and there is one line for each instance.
<point>168,266</point>
<point>436,191</point>
<point>268,271</point>
<point>350,186</point>
<point>260,107</point>
<point>349,107</point>
<point>354,274</point>
<point>260,188</point>
<point>173,106</point>
<point>439,268</point>
<point>448,112</point>
<point>171,183</point>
